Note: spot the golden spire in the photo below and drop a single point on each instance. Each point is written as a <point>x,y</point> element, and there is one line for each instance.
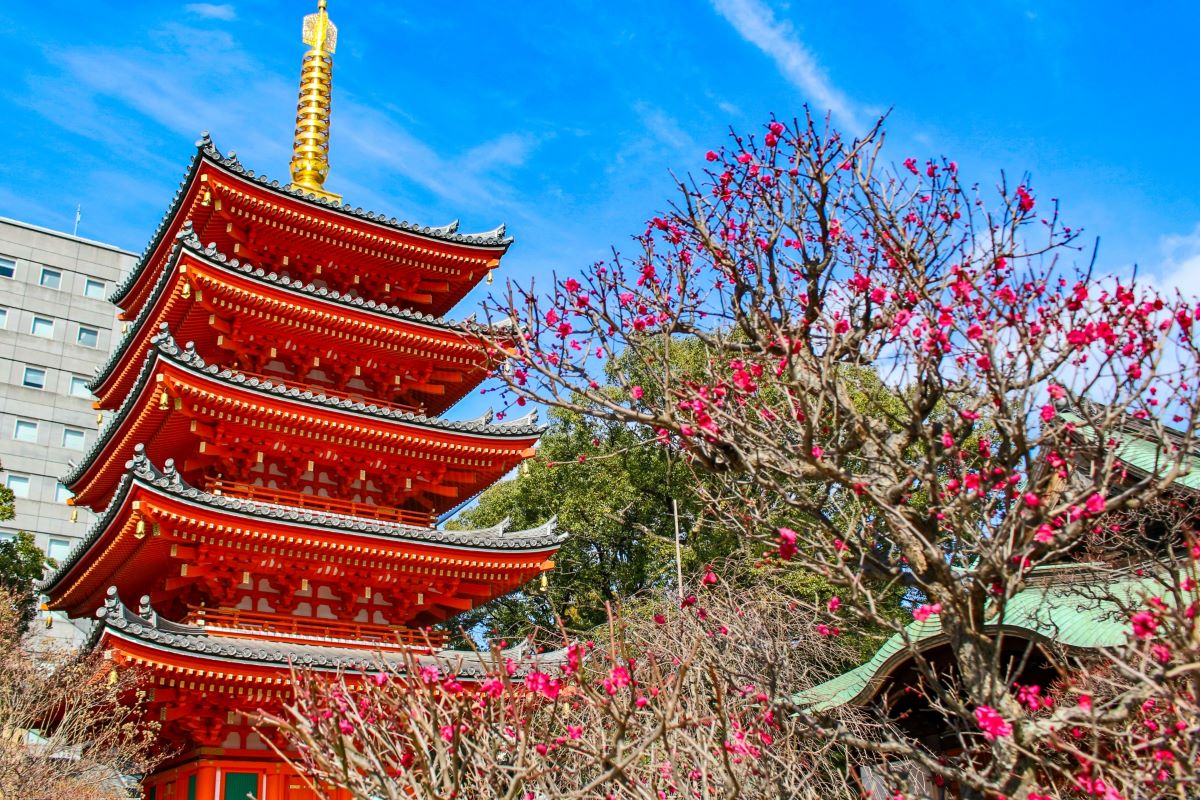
<point>310,151</point>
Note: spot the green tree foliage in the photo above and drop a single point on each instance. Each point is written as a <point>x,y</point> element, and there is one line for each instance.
<point>611,487</point>
<point>613,493</point>
<point>21,564</point>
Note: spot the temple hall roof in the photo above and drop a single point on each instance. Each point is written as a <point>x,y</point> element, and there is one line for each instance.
<point>1066,604</point>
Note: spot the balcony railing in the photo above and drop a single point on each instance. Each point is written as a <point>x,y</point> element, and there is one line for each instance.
<point>313,630</point>
<point>286,497</point>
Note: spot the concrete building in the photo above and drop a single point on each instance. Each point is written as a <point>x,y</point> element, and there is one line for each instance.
<point>56,328</point>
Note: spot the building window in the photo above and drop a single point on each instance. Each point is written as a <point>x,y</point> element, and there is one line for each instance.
<point>93,288</point>
<point>79,387</point>
<point>42,326</point>
<point>51,278</point>
<point>88,337</point>
<point>34,378</point>
<point>73,438</point>
<point>8,268</point>
<point>19,484</point>
<point>58,549</point>
<point>3,317</point>
<point>61,493</point>
<point>25,430</point>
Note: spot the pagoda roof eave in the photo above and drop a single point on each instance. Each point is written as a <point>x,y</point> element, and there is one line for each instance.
<point>164,226</point>
<point>189,243</point>
<point>164,348</point>
<point>192,642</point>
<point>207,152</point>
<point>542,540</point>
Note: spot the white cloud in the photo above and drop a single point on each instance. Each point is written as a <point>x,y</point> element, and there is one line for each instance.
<point>664,127</point>
<point>1180,265</point>
<point>222,11</point>
<point>755,22</point>
<point>378,161</point>
<point>508,150</point>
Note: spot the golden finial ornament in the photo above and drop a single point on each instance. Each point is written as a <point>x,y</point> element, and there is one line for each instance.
<point>310,150</point>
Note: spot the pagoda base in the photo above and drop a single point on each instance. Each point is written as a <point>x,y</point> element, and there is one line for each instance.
<point>219,775</point>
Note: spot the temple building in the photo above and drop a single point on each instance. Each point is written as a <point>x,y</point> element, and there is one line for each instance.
<point>274,462</point>
<point>1068,613</point>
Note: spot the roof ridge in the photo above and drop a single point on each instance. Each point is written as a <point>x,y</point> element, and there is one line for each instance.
<point>189,240</point>
<point>449,233</point>
<point>163,342</point>
<point>206,149</point>
<point>168,479</point>
<point>146,625</point>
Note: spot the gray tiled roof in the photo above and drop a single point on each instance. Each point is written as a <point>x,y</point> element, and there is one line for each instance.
<point>207,151</point>
<point>146,626</point>
<point>163,346</point>
<point>141,470</point>
<point>186,239</point>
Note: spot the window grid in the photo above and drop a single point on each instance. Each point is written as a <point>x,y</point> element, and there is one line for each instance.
<point>19,484</point>
<point>3,317</point>
<point>42,326</point>
<point>73,438</point>
<point>34,378</point>
<point>50,278</point>
<point>79,387</point>
<point>8,268</point>
<point>88,337</point>
<point>58,549</point>
<point>25,430</point>
<point>93,288</point>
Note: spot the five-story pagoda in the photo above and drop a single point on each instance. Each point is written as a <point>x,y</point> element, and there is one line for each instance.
<point>274,463</point>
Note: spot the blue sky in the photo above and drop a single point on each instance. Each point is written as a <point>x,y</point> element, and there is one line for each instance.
<point>565,119</point>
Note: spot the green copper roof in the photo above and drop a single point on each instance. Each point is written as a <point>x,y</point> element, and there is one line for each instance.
<point>1146,455</point>
<point>1083,612</point>
<point>1072,614</point>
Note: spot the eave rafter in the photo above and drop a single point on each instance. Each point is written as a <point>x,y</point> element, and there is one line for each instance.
<point>390,340</point>
<point>177,383</point>
<point>365,241</point>
<point>156,520</point>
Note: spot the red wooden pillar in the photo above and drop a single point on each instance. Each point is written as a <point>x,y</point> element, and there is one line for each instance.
<point>276,786</point>
<point>206,781</point>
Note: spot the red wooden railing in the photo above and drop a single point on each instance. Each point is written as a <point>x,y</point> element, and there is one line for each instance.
<point>287,497</point>
<point>282,627</point>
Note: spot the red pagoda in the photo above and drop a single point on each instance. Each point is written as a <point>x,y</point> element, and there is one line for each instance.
<point>274,463</point>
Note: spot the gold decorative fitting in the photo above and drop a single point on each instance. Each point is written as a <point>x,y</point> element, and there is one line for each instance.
<point>74,515</point>
<point>206,198</point>
<point>310,149</point>
<point>140,530</point>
